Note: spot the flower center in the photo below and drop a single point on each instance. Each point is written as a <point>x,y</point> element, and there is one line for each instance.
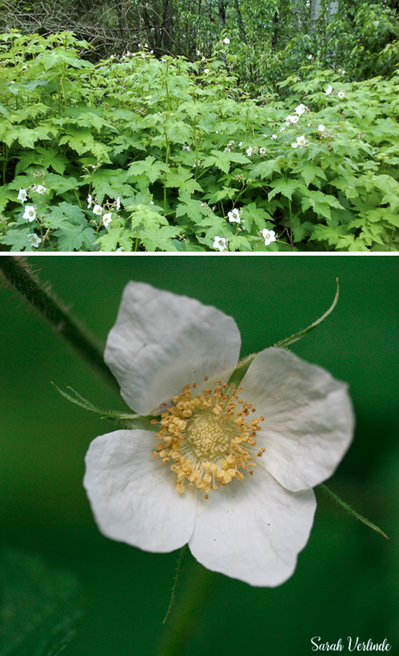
<point>208,437</point>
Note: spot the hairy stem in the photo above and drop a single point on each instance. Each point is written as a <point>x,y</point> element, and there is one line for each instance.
<point>186,614</point>
<point>18,274</point>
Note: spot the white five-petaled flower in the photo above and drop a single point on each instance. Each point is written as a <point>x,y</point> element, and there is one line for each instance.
<point>249,151</point>
<point>107,218</point>
<point>292,119</point>
<point>89,201</point>
<point>40,189</point>
<point>289,422</point>
<point>329,90</point>
<point>301,141</point>
<point>22,195</point>
<point>226,41</point>
<point>262,151</point>
<point>274,136</point>
<point>340,95</point>
<point>234,216</point>
<point>321,127</point>
<point>268,236</point>
<point>34,240</point>
<point>206,70</point>
<point>97,209</point>
<point>186,148</point>
<point>300,109</point>
<point>220,244</point>
<point>29,213</point>
<point>294,144</point>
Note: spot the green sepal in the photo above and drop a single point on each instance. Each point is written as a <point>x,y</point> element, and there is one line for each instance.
<point>243,366</point>
<point>125,420</point>
<point>350,510</point>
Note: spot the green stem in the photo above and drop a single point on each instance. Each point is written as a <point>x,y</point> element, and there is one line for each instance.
<point>179,566</point>
<point>186,615</point>
<point>350,510</point>
<point>19,275</point>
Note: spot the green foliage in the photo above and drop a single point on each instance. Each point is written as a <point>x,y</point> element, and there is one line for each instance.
<point>139,153</point>
<point>40,606</point>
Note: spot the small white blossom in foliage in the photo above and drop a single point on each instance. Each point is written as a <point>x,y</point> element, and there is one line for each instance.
<point>220,243</point>
<point>107,218</point>
<point>226,41</point>
<point>321,128</point>
<point>234,216</point>
<point>292,119</point>
<point>329,90</point>
<point>249,151</point>
<point>34,240</point>
<point>301,141</point>
<point>268,236</point>
<point>274,136</point>
<point>262,151</point>
<point>22,196</point>
<point>29,213</point>
<point>228,470</point>
<point>294,144</point>
<point>97,209</point>
<point>340,95</point>
<point>40,189</point>
<point>300,109</point>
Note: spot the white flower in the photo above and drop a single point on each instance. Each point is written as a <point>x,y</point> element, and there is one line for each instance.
<point>197,162</point>
<point>30,213</point>
<point>234,216</point>
<point>310,56</point>
<point>292,119</point>
<point>97,209</point>
<point>226,41</point>
<point>231,143</point>
<point>227,150</point>
<point>301,141</point>
<point>343,71</point>
<point>220,243</point>
<point>190,482</point>
<point>40,189</point>
<point>89,201</point>
<point>107,218</point>
<point>249,151</point>
<point>300,109</point>
<point>274,136</point>
<point>206,70</point>
<point>262,151</point>
<point>329,90</point>
<point>240,145</point>
<point>22,196</point>
<point>294,144</point>
<point>340,95</point>
<point>34,240</point>
<point>321,127</point>
<point>281,129</point>
<point>118,203</point>
<point>268,236</point>
<point>186,148</point>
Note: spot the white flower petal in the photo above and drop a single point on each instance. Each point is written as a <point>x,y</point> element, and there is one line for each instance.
<point>132,494</point>
<point>253,531</point>
<point>308,414</point>
<point>162,342</point>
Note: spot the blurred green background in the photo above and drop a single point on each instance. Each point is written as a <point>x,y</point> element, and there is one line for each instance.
<point>347,579</point>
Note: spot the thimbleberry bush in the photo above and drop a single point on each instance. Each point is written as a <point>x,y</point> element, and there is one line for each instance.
<point>139,153</point>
